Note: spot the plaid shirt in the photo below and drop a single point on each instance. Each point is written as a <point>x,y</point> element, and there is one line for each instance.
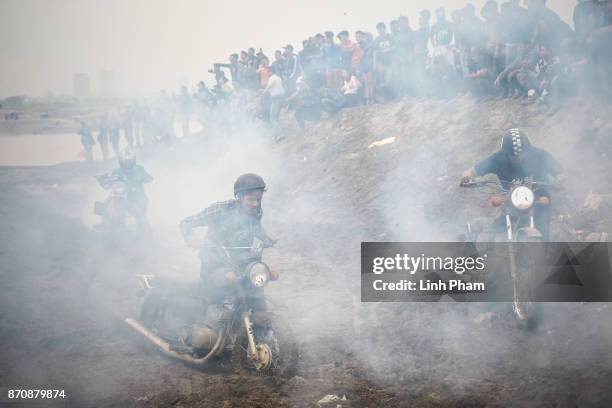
<point>227,224</point>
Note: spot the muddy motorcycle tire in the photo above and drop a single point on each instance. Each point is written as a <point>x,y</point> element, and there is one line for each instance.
<point>525,311</point>
<point>283,344</point>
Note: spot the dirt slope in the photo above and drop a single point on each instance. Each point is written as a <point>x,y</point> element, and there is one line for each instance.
<point>65,289</point>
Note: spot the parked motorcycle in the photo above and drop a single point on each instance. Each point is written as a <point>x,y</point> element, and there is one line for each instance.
<point>117,211</point>
<point>516,204</point>
<point>194,328</point>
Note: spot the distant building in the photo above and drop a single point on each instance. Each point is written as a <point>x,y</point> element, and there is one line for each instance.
<point>80,86</point>
<point>107,84</point>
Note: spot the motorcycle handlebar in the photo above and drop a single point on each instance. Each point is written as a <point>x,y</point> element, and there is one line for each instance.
<point>473,183</point>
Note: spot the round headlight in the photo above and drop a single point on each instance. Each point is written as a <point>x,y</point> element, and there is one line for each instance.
<point>259,274</point>
<point>522,197</point>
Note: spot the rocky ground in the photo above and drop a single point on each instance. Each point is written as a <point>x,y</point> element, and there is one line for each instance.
<point>378,173</point>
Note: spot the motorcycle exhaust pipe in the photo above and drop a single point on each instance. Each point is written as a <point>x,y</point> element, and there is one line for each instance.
<point>164,346</point>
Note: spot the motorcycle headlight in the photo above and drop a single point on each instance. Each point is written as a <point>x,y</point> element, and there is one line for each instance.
<point>119,188</point>
<point>522,197</point>
<point>259,274</point>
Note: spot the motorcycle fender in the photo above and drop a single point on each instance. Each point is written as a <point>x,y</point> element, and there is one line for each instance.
<point>530,232</point>
<point>99,208</point>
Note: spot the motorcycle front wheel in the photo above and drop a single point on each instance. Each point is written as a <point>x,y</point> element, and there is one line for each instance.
<point>274,332</point>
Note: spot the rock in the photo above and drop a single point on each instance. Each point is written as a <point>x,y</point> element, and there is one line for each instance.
<point>297,381</point>
<point>331,400</point>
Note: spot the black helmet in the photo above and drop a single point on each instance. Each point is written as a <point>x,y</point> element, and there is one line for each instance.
<point>127,159</point>
<point>248,182</point>
<point>514,142</point>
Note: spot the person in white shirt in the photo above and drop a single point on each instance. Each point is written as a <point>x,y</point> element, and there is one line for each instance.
<point>351,89</point>
<point>276,90</point>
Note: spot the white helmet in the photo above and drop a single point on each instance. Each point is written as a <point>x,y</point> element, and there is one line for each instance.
<point>127,158</point>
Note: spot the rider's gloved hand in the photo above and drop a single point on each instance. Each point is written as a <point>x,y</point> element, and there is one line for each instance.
<point>230,276</point>
<point>543,200</point>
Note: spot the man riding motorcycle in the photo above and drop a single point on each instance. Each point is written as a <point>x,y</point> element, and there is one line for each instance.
<point>135,176</point>
<point>233,226</point>
<point>518,159</point>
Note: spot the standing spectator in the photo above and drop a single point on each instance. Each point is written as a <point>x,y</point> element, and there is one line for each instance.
<point>276,91</point>
<point>475,34</point>
<point>358,52</point>
<point>347,48</point>
<point>404,55</point>
<point>517,27</point>
<point>87,140</point>
<point>138,122</point>
<point>601,51</point>
<point>421,49</point>
<point>234,68</point>
<point>366,65</point>
<point>264,73</point>
<point>586,20</point>
<point>279,64</point>
<point>103,136</point>
<point>394,28</point>
<point>490,13</point>
<point>185,110</point>
<point>292,68</point>
<point>305,59</point>
<point>317,64</point>
<point>114,129</point>
<point>547,27</point>
<point>253,57</point>
<point>442,31</point>
<point>128,125</point>
<point>332,55</point>
<point>383,48</point>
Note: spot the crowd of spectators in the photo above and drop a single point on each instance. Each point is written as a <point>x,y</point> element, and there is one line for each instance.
<point>508,51</point>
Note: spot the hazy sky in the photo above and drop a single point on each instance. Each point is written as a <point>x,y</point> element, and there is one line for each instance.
<point>158,44</point>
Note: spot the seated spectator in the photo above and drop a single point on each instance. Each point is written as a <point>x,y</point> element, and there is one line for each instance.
<point>480,76</point>
<point>306,102</point>
<point>568,71</point>
<point>351,89</point>
<point>506,80</point>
